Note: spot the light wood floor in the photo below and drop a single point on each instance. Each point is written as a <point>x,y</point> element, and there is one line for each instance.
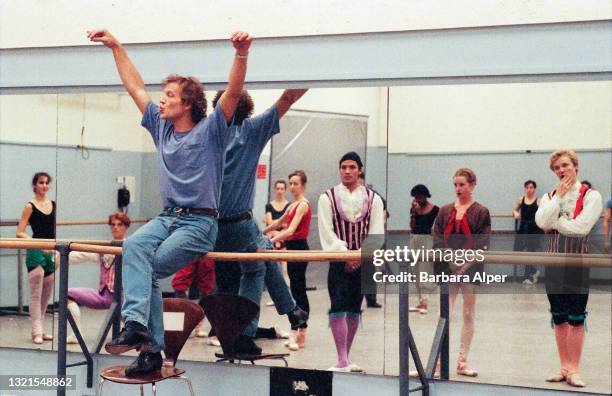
<point>513,343</point>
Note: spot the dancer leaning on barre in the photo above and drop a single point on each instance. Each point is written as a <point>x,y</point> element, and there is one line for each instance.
<point>297,217</point>
<point>568,215</point>
<point>191,151</point>
<point>101,297</point>
<point>39,213</point>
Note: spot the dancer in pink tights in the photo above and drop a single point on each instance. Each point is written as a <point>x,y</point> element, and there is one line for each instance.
<point>39,213</point>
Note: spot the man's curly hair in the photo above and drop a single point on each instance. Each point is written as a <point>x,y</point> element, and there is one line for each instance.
<point>245,106</point>
<point>192,93</point>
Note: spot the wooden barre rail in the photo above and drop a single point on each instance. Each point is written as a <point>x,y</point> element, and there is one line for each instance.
<point>14,223</point>
<point>492,257</point>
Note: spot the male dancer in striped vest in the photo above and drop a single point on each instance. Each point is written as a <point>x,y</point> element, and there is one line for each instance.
<point>347,213</point>
<point>568,215</point>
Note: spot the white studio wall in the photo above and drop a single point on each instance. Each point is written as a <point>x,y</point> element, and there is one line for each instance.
<point>186,20</point>
<point>500,117</point>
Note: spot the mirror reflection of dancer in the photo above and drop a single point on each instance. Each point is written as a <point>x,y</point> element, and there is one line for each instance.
<point>463,224</point>
<point>238,231</point>
<point>347,214</point>
<point>524,212</point>
<point>39,212</point>
<point>191,151</point>
<point>102,297</point>
<point>274,210</point>
<point>297,217</point>
<point>568,214</point>
<point>422,217</point>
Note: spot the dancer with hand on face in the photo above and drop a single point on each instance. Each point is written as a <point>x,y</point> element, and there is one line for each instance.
<point>297,217</point>
<point>568,215</point>
<point>191,152</point>
<point>347,214</point>
<point>39,213</point>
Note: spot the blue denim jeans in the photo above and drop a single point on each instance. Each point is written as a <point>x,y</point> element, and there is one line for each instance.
<point>155,251</point>
<point>245,236</point>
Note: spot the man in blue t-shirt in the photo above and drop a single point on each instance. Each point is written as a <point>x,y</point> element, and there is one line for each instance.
<point>238,232</point>
<point>191,151</point>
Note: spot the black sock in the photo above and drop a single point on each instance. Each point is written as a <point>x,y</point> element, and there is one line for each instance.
<point>265,333</point>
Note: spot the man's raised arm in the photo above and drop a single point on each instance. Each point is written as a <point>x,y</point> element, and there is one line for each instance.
<point>287,99</point>
<point>229,100</point>
<point>132,81</point>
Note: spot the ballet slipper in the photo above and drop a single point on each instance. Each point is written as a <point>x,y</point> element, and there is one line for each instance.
<point>558,377</point>
<point>415,374</point>
<point>574,380</point>
<point>37,339</point>
<point>47,337</point>
<point>463,370</point>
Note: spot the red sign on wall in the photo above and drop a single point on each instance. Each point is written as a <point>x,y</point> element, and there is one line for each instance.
<point>262,170</point>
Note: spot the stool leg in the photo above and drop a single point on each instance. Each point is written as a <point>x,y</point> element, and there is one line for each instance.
<point>154,389</point>
<point>141,390</point>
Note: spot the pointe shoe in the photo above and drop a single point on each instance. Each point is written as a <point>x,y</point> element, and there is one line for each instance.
<point>463,370</point>
<point>346,369</point>
<point>415,374</point>
<point>71,339</point>
<point>213,340</point>
<point>37,339</point>
<point>558,377</point>
<point>421,308</point>
<point>300,340</point>
<point>574,379</point>
<point>292,345</point>
<point>280,333</point>
<point>199,332</point>
<point>47,337</point>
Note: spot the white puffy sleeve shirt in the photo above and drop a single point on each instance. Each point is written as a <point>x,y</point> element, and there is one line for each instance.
<point>352,203</point>
<point>557,213</point>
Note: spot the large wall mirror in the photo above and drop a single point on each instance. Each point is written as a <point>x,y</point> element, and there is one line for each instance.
<point>92,145</point>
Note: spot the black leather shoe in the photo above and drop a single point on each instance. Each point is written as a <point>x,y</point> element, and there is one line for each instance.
<point>245,345</point>
<point>145,363</point>
<point>298,318</point>
<point>374,305</point>
<point>129,339</point>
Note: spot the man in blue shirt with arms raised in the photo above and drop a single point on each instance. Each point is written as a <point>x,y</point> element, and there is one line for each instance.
<point>238,232</point>
<point>191,150</point>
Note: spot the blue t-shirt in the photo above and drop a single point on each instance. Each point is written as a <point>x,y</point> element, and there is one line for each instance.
<point>190,163</point>
<point>241,158</point>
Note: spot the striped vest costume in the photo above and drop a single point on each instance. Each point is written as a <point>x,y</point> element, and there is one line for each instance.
<point>559,243</point>
<point>352,232</point>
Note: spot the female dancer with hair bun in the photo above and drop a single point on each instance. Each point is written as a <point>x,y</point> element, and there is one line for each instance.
<point>39,213</point>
